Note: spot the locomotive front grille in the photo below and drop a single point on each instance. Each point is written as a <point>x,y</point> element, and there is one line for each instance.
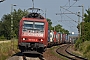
<point>32,45</point>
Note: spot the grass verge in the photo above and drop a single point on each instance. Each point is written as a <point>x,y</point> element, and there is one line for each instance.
<point>6,49</point>
<point>85,49</point>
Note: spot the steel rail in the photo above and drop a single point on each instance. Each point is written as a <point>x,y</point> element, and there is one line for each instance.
<point>79,57</point>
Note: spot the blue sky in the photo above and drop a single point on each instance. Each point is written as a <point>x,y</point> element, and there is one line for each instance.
<point>52,7</point>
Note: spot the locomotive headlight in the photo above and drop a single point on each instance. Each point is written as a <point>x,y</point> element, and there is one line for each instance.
<point>33,31</point>
<point>24,39</point>
<point>41,40</point>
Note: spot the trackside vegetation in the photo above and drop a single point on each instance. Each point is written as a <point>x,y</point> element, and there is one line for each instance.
<point>83,44</point>
<point>6,49</point>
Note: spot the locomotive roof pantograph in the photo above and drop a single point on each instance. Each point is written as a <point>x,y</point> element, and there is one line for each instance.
<point>34,13</point>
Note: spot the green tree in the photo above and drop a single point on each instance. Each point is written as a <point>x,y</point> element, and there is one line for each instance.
<point>86,26</point>
<point>87,16</point>
<point>5,24</point>
<point>59,28</point>
<point>49,24</point>
<point>17,15</point>
<point>85,29</point>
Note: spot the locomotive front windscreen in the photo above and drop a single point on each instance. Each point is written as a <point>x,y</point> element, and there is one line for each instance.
<point>33,26</point>
<point>39,25</point>
<point>28,25</point>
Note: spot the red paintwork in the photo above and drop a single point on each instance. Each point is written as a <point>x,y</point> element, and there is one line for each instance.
<point>59,38</point>
<point>55,36</point>
<point>33,38</point>
<point>63,37</point>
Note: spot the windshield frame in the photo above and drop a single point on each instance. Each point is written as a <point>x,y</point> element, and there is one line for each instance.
<point>34,24</point>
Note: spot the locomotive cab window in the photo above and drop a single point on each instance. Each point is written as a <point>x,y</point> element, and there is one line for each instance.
<point>39,25</point>
<point>33,26</point>
<point>28,25</point>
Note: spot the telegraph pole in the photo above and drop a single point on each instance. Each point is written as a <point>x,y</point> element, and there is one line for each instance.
<point>79,25</point>
<point>12,32</point>
<point>82,13</point>
<point>82,23</point>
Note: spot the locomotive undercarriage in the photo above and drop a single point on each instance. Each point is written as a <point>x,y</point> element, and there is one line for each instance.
<point>39,47</point>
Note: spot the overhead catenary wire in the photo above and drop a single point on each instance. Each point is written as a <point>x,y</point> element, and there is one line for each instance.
<point>70,11</point>
<point>70,5</point>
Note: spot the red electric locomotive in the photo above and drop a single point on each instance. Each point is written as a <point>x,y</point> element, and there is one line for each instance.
<point>33,35</point>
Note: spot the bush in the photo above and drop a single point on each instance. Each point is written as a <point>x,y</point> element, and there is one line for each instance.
<point>2,37</point>
<point>77,43</point>
<point>87,55</point>
<point>85,49</point>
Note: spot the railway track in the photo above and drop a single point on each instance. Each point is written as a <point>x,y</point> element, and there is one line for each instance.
<point>33,57</point>
<point>63,51</point>
<point>21,56</point>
